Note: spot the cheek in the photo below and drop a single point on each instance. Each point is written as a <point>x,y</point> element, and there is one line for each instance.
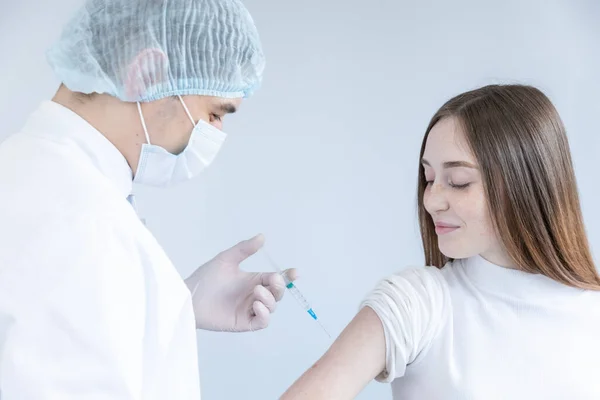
<point>477,234</point>
<point>181,136</point>
<point>176,136</point>
<point>472,208</point>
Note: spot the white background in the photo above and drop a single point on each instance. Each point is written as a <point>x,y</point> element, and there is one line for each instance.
<point>324,158</point>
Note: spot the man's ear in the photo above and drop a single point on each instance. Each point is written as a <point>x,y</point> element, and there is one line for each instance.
<point>147,69</point>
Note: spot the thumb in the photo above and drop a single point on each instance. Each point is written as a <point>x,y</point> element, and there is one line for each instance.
<point>244,249</point>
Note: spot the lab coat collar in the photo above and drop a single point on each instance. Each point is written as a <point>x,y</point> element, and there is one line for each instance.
<point>56,121</point>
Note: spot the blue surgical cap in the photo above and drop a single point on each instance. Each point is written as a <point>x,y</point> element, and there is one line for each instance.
<point>145,50</point>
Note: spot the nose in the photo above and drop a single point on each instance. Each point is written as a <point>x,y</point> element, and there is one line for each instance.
<point>434,199</point>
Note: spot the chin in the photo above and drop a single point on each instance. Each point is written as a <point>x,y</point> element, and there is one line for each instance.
<point>455,250</point>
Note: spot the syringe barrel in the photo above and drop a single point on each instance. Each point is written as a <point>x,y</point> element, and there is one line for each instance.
<point>298,296</point>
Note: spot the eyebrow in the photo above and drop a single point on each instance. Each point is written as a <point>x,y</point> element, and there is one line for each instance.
<point>227,108</point>
<point>452,164</point>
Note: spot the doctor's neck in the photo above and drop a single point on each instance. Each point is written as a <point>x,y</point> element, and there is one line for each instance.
<point>118,121</point>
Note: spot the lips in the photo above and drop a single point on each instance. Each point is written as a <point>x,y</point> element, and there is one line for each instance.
<point>442,228</point>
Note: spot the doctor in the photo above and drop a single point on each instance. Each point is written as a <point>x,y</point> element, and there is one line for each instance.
<point>90,305</point>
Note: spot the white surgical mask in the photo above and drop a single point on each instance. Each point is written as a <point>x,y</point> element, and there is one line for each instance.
<point>158,167</point>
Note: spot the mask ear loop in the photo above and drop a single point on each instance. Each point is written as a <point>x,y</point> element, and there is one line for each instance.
<point>143,122</point>
<point>186,110</point>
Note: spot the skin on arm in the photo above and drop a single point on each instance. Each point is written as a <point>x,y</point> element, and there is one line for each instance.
<point>355,359</point>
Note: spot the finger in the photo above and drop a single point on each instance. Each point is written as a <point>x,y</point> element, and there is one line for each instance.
<point>261,316</point>
<point>268,278</point>
<point>244,249</point>
<point>263,295</point>
<point>291,274</point>
<point>275,283</point>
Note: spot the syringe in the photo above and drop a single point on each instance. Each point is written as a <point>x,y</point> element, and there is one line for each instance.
<point>295,292</point>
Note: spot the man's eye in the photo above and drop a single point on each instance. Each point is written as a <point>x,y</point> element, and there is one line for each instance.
<point>215,117</point>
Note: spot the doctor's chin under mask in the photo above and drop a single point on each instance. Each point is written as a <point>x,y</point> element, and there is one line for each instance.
<point>158,167</point>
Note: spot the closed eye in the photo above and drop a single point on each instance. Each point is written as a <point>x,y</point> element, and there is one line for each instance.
<point>464,186</point>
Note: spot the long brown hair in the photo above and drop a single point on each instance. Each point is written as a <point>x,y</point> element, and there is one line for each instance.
<point>520,144</point>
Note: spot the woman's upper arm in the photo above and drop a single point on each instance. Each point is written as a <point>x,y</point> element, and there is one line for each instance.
<point>354,360</point>
<point>397,322</point>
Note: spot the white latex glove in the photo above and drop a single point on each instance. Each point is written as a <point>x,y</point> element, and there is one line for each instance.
<point>226,298</point>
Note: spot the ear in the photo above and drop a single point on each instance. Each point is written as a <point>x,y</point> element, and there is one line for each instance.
<point>148,68</point>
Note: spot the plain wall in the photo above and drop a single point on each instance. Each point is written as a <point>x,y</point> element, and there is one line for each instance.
<point>324,158</point>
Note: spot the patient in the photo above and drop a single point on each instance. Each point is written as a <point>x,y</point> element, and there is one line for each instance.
<point>509,305</point>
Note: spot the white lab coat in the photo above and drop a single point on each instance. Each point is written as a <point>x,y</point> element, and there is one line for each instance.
<point>90,306</point>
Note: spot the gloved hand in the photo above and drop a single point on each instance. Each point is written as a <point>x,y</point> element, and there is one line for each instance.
<point>226,298</point>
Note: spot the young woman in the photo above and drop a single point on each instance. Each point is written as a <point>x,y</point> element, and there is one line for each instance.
<point>509,305</point>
